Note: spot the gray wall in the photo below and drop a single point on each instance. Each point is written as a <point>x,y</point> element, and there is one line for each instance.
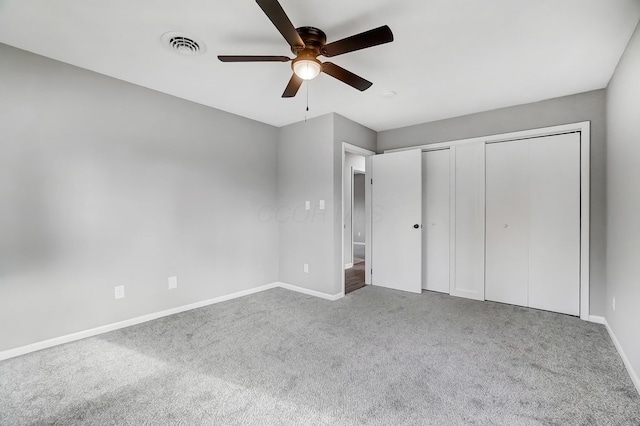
<point>356,134</point>
<point>589,106</point>
<point>310,168</point>
<point>305,172</point>
<point>104,183</point>
<point>623,201</point>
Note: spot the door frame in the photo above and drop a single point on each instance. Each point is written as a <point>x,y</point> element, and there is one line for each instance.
<point>584,128</point>
<point>353,149</point>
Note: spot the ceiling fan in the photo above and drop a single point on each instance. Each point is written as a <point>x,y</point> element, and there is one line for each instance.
<point>307,43</point>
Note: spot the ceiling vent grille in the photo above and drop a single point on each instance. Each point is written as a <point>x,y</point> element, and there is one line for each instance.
<point>182,44</point>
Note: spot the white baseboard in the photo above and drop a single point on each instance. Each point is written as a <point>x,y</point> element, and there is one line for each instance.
<point>127,323</point>
<point>348,265</point>
<point>11,353</point>
<point>596,319</point>
<point>311,292</point>
<point>627,363</point>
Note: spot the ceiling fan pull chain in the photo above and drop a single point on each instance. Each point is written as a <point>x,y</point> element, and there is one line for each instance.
<point>307,110</point>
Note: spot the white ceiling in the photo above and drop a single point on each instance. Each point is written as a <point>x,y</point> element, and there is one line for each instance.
<point>449,57</point>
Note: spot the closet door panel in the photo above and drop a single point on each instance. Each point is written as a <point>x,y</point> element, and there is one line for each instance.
<point>435,210</point>
<point>468,234</point>
<point>507,222</point>
<point>554,223</point>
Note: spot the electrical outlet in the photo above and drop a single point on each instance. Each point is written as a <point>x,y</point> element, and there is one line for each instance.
<point>173,283</point>
<point>119,292</point>
<point>614,303</point>
<point>321,204</point>
<point>307,205</point>
<point>306,268</point>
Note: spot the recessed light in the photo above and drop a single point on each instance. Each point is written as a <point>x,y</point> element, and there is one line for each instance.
<point>389,93</point>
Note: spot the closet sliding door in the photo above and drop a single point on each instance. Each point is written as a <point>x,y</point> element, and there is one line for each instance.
<point>533,223</point>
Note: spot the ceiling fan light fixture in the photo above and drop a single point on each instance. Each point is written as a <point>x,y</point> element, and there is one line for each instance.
<point>306,68</point>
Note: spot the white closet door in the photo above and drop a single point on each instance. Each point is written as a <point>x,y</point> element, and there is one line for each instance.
<point>507,233</point>
<point>468,233</point>
<point>554,224</point>
<point>435,211</point>
<point>397,213</point>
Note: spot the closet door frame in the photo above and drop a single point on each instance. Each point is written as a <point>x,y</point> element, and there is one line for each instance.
<point>584,128</point>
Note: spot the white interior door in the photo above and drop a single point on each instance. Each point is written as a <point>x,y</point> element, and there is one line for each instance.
<point>554,224</point>
<point>435,211</point>
<point>396,243</point>
<point>507,228</point>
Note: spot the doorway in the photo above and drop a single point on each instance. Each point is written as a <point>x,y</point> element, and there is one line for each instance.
<point>354,275</point>
<point>356,215</point>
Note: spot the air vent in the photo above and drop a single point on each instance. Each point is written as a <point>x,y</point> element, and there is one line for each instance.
<point>183,44</point>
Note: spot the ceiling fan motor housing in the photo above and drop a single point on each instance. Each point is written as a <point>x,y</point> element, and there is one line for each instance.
<point>314,40</point>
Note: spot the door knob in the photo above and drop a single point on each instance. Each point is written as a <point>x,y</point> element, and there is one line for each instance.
<point>416,226</point>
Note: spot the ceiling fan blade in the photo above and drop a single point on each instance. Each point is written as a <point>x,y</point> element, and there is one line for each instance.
<point>375,37</point>
<point>346,76</point>
<point>292,87</point>
<point>254,58</point>
<point>277,15</point>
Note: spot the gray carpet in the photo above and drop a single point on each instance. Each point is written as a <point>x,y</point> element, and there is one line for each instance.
<point>375,357</point>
